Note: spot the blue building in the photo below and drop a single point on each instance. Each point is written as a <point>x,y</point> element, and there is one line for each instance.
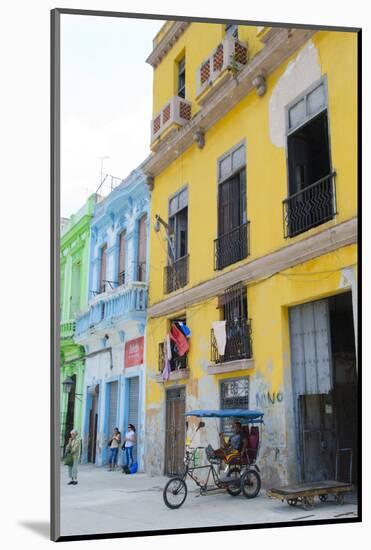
<point>112,328</point>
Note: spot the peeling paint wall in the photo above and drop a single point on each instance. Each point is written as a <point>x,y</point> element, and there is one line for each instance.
<point>299,74</point>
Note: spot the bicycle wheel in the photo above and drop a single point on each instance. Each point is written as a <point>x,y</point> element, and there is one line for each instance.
<point>175,492</point>
<point>234,489</point>
<point>250,483</point>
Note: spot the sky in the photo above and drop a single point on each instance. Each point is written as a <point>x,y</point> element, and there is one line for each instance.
<point>106,101</point>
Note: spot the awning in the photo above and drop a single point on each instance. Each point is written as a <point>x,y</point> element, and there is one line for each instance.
<point>248,414</point>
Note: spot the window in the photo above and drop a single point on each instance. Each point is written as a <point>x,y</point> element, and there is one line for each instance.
<point>176,273</point>
<point>122,247</point>
<point>231,244</point>
<point>103,264</point>
<point>233,306</point>
<point>181,78</point>
<point>75,289</point>
<point>311,192</point>
<point>231,30</point>
<point>142,248</point>
<point>234,394</point>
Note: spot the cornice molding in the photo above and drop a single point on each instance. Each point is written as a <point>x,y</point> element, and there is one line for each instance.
<point>282,44</point>
<point>294,254</point>
<point>167,42</point>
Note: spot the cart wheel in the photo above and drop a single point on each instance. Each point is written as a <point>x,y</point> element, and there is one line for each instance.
<point>175,493</point>
<point>250,483</point>
<point>292,501</point>
<point>339,498</point>
<point>235,488</point>
<point>323,498</point>
<point>308,503</point>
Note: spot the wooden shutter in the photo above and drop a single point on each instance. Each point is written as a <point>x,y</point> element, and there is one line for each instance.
<point>142,248</point>
<point>133,406</point>
<point>103,263</point>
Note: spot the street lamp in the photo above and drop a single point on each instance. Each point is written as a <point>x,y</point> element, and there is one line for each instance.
<point>67,387</point>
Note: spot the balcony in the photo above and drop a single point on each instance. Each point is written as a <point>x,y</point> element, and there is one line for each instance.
<point>175,113</point>
<point>229,55</point>
<point>312,206</point>
<point>178,365</point>
<point>67,329</point>
<point>238,349</point>
<point>110,307</point>
<point>176,274</point>
<point>231,247</point>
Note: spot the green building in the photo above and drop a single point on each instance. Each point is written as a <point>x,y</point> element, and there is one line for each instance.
<point>74,272</point>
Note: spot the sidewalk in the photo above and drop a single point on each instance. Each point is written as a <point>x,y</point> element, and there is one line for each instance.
<point>107,502</point>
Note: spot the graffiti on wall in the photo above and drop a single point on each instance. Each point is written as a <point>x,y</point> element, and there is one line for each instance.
<point>266,399</point>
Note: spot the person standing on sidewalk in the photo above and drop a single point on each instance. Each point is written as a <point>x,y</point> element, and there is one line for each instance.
<point>114,444</point>
<point>73,447</point>
<point>129,442</point>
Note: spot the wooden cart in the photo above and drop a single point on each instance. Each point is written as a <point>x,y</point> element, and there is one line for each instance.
<point>306,492</point>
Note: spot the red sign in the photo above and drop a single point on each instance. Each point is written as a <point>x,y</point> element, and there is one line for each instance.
<point>134,352</point>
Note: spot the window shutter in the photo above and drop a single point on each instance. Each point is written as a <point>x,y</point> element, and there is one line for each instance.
<point>311,348</point>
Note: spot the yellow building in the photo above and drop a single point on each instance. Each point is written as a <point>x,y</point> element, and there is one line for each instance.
<point>253,238</point>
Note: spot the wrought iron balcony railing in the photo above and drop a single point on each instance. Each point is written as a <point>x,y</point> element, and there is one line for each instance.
<point>141,271</point>
<point>176,363</point>
<point>67,329</point>
<point>176,274</point>
<point>239,342</point>
<point>121,278</point>
<point>232,246</point>
<point>309,207</point>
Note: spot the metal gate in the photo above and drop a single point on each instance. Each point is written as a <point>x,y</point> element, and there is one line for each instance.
<point>312,378</point>
<point>234,395</point>
<point>133,406</point>
<point>175,431</point>
<point>112,407</point>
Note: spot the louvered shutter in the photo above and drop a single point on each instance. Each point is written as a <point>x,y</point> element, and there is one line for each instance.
<point>311,348</point>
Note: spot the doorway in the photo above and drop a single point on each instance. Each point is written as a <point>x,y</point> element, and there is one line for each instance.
<point>93,425</point>
<point>324,377</point>
<point>175,431</point>
<point>70,411</point>
<point>133,410</point>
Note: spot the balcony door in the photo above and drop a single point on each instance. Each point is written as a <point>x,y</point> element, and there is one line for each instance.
<point>142,249</point>
<point>235,315</point>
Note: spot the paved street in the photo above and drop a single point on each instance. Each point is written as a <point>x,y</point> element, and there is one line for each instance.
<point>114,502</point>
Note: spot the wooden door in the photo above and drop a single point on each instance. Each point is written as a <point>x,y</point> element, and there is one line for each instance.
<point>175,431</point>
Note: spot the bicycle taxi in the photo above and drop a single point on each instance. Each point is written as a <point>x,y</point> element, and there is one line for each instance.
<point>241,473</point>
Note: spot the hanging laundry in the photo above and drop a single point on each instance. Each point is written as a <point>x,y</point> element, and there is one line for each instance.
<point>183,327</point>
<point>220,335</point>
<point>180,339</point>
<point>168,347</point>
<point>166,371</point>
<point>167,367</point>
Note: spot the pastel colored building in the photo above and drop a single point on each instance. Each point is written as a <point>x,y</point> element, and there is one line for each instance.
<point>112,326</point>
<point>75,248</point>
<point>253,239</point>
